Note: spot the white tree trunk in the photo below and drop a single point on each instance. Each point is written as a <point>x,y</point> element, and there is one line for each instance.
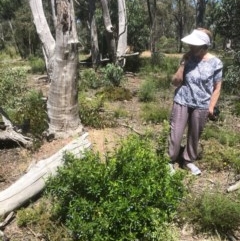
<point>62,62</point>
<point>94,35</point>
<point>43,29</point>
<point>122,29</point>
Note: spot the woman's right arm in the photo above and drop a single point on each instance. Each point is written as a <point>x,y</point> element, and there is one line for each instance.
<point>178,76</point>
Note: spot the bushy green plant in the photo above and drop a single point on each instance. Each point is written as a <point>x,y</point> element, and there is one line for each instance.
<point>157,58</point>
<point>147,91</point>
<point>236,109</point>
<point>91,112</point>
<point>12,87</point>
<point>163,82</point>
<point>212,211</point>
<point>37,65</point>
<point>167,45</point>
<point>152,112</point>
<point>33,110</point>
<point>220,157</point>
<point>114,93</point>
<point>130,195</point>
<point>38,218</point>
<point>89,79</point>
<point>224,136</point>
<point>112,75</point>
<point>23,105</point>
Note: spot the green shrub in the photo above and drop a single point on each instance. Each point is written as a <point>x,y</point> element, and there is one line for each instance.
<point>23,105</point>
<point>236,108</point>
<point>212,211</point>
<point>129,196</point>
<point>38,218</point>
<point>152,112</point>
<point>37,65</point>
<point>163,82</point>
<point>115,93</point>
<point>147,91</point>
<point>89,79</point>
<point>167,45</point>
<point>12,87</point>
<point>224,136</point>
<point>33,109</point>
<point>157,58</point>
<point>220,157</point>
<point>91,112</point>
<point>112,75</point>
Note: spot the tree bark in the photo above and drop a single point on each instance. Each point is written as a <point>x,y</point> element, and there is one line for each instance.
<point>94,36</point>
<point>109,32</point>
<point>61,57</point>
<point>200,12</point>
<point>122,30</point>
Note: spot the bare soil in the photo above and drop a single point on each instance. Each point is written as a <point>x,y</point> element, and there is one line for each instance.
<point>14,162</point>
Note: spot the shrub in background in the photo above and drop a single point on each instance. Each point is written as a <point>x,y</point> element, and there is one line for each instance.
<point>112,75</point>
<point>113,93</point>
<point>12,87</point>
<point>37,65</point>
<point>24,106</point>
<point>33,112</point>
<point>147,91</point>
<point>129,196</point>
<point>91,112</point>
<point>220,157</point>
<point>224,136</point>
<point>154,113</point>
<point>89,79</point>
<point>212,212</point>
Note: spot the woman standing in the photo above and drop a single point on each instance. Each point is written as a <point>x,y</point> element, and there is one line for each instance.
<point>198,81</point>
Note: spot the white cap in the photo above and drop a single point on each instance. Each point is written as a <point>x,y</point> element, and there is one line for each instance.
<point>197,38</point>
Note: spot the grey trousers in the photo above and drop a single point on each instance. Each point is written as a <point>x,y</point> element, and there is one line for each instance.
<point>194,120</point>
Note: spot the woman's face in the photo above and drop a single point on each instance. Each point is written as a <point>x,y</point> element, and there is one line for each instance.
<point>197,51</point>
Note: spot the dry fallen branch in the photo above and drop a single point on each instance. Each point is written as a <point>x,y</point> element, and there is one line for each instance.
<point>9,134</point>
<point>131,128</point>
<point>234,187</point>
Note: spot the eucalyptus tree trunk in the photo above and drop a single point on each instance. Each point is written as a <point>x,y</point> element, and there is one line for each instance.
<point>152,17</point>
<point>200,12</point>
<point>122,31</point>
<point>61,56</point>
<point>112,51</point>
<point>94,35</point>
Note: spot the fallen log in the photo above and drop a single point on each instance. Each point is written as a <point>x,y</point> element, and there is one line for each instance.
<point>8,132</point>
<point>234,187</point>
<point>33,182</point>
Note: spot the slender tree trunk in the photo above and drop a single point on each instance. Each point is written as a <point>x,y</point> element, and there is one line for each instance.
<point>109,32</point>
<point>14,39</point>
<point>122,30</point>
<point>94,35</point>
<point>200,12</point>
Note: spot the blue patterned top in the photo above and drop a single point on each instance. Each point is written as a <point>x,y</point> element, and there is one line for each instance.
<point>198,83</point>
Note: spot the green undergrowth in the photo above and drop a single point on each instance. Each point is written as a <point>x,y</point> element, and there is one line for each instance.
<point>212,211</point>
<point>130,195</point>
